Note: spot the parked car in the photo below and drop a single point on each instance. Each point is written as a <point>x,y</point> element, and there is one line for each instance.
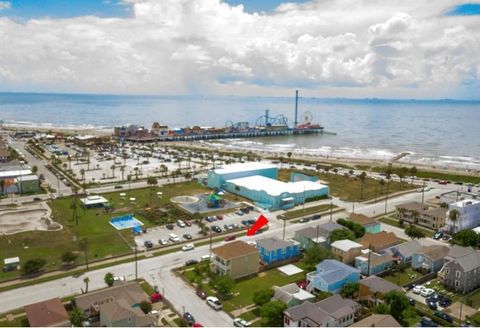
<point>197,325</point>
<point>181,224</point>
<point>163,241</point>
<point>230,238</point>
<point>219,217</point>
<point>148,244</point>
<point>431,304</point>
<point>155,297</point>
<point>207,257</point>
<point>188,247</point>
<point>173,237</point>
<point>252,243</point>
<point>446,237</point>
<point>418,289</point>
<point>438,235</point>
<point>444,301</point>
<point>187,236</point>
<point>239,322</point>
<point>36,199</point>
<point>411,301</point>
<point>118,187</point>
<point>239,213</point>
<point>443,315</point>
<point>191,262</point>
<point>200,293</point>
<point>188,223</point>
<point>427,322</point>
<point>305,219</point>
<point>316,217</point>
<point>169,226</point>
<point>210,219</point>
<point>427,292</point>
<point>189,318</point>
<point>216,229</point>
<point>214,303</point>
<point>302,284</point>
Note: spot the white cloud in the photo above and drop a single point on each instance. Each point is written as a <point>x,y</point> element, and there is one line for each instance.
<point>5,5</point>
<point>357,48</point>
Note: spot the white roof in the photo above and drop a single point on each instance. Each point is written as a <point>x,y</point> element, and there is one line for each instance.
<point>27,178</point>
<point>14,173</point>
<point>290,269</point>
<point>275,187</point>
<point>11,260</point>
<point>91,200</point>
<point>243,167</point>
<point>345,245</point>
<point>477,229</point>
<point>303,295</point>
<point>86,137</point>
<point>466,202</point>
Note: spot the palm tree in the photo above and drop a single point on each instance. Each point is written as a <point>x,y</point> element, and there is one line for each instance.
<point>363,177</point>
<point>2,186</point>
<point>413,172</point>
<point>86,280</point>
<point>113,170</point>
<point>136,169</point>
<point>34,169</point>
<point>122,170</point>
<point>84,248</point>
<point>289,154</point>
<point>163,169</point>
<point>69,159</point>
<point>415,216</point>
<point>129,178</point>
<point>454,216</point>
<point>152,182</point>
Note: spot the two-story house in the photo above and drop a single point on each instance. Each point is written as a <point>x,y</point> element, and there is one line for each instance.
<point>368,223</point>
<point>236,259</point>
<point>274,249</point>
<point>468,218</point>
<point>317,235</point>
<point>461,271</point>
<point>403,252</point>
<point>330,276</point>
<point>430,258</point>
<point>373,288</point>
<point>410,212</point>
<point>372,263</point>
<point>334,311</point>
<point>346,250</point>
<point>379,241</point>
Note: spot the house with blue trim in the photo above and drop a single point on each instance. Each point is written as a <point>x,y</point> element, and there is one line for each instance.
<point>330,276</point>
<point>368,223</point>
<point>372,263</point>
<point>404,252</point>
<point>275,249</point>
<point>430,258</point>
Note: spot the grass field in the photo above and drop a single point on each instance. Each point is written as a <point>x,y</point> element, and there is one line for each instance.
<point>20,321</point>
<point>407,276</point>
<point>104,241</point>
<point>394,222</point>
<point>350,188</point>
<point>309,210</point>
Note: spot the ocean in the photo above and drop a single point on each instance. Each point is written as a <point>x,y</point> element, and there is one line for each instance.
<point>444,133</point>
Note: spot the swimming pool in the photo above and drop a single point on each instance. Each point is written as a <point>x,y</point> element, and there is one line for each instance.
<point>125,222</point>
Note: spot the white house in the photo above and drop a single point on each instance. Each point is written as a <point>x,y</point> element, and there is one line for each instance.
<point>469,218</point>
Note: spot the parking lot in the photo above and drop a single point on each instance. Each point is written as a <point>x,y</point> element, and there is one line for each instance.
<point>156,234</point>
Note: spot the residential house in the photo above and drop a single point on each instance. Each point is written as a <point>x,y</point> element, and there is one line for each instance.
<point>292,295</point>
<point>461,271</point>
<point>318,235</point>
<point>372,289</point>
<point>410,212</point>
<point>379,241</point>
<point>346,250</point>
<point>116,306</point>
<point>372,263</point>
<point>404,251</point>
<point>330,276</point>
<point>433,218</point>
<point>275,249</point>
<point>469,215</point>
<point>377,320</point>
<point>368,223</point>
<point>49,313</point>
<point>237,259</point>
<point>334,311</point>
<point>430,258</point>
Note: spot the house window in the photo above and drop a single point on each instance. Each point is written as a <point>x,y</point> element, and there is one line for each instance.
<point>447,270</point>
<point>457,283</point>
<point>286,320</point>
<point>457,274</point>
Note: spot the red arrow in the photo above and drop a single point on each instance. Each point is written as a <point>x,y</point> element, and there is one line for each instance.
<point>261,221</point>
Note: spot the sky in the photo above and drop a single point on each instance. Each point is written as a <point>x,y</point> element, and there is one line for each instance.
<point>326,48</point>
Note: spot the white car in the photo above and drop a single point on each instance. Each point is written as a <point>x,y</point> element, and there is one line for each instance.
<point>426,292</point>
<point>181,224</point>
<point>173,237</point>
<point>418,289</point>
<point>252,243</point>
<point>163,242</point>
<point>188,247</point>
<point>214,303</point>
<point>238,322</point>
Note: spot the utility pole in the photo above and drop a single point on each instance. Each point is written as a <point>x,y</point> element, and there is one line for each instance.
<point>331,211</point>
<point>353,206</point>
<point>369,255</point>
<point>284,224</point>
<point>423,192</point>
<point>136,263</point>
<point>210,239</point>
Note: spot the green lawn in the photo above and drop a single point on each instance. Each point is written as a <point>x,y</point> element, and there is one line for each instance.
<point>394,222</point>
<point>104,241</point>
<point>20,321</point>
<point>309,210</point>
<point>407,276</point>
<point>350,188</point>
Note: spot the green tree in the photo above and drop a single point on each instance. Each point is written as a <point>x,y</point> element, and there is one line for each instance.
<point>272,313</point>
<point>86,280</point>
<point>77,317</point>
<point>145,306</point>
<point>83,245</point>
<point>453,216</point>
<point>33,266</point>
<point>381,308</point>
<point>413,172</point>
<point>152,182</point>
<point>69,257</point>
<point>362,177</point>
<point>34,169</point>
<point>109,280</point>
<point>262,296</point>
<point>350,289</point>
<point>466,238</point>
<point>341,234</point>
<point>398,303</point>
<point>224,285</point>
<point>414,232</point>
<point>314,254</point>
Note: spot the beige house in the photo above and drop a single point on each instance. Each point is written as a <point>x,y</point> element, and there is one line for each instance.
<point>346,250</point>
<point>421,214</point>
<point>237,259</point>
<point>433,218</point>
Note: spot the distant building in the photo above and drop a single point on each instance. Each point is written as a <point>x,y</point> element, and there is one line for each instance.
<point>28,183</point>
<point>274,249</point>
<point>330,276</point>
<point>49,313</point>
<point>410,212</point>
<point>421,214</point>
<point>4,152</point>
<point>430,259</point>
<point>368,223</point>
<point>159,130</point>
<point>292,295</point>
<point>461,271</point>
<point>94,201</point>
<point>236,259</point>
<point>379,241</point>
<point>346,250</point>
<point>377,320</point>
<point>334,311</point>
<point>469,215</point>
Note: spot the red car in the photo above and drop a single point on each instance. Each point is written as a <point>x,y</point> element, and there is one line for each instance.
<point>229,238</point>
<point>219,217</point>
<point>196,324</point>
<point>155,297</point>
<point>302,284</point>
<point>201,294</point>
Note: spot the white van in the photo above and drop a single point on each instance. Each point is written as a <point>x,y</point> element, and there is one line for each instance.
<point>207,257</point>
<point>173,237</point>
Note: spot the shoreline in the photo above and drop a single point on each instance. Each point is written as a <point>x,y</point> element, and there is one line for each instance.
<point>400,159</point>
